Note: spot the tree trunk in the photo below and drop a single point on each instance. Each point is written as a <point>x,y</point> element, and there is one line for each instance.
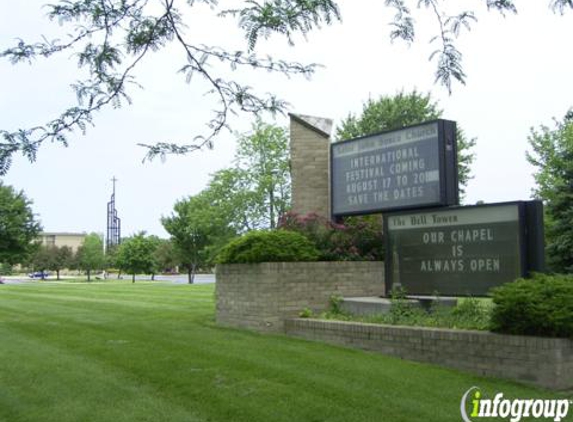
<point>153,277</point>
<point>58,275</point>
<point>89,275</point>
<point>133,278</point>
<point>191,273</point>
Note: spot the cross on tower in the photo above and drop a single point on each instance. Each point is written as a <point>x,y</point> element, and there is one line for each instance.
<point>113,236</point>
<point>114,180</point>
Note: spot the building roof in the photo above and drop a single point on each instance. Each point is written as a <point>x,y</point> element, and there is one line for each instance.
<point>62,234</point>
<point>322,125</point>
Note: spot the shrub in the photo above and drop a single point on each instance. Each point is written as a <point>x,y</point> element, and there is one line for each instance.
<point>268,246</point>
<point>541,306</point>
<point>5,269</point>
<point>358,239</point>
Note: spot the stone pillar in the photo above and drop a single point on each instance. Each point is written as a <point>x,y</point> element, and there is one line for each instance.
<point>310,164</point>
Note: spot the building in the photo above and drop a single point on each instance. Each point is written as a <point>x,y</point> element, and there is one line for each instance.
<point>72,240</point>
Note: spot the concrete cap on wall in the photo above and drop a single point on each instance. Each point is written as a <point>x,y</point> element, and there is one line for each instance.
<point>321,125</point>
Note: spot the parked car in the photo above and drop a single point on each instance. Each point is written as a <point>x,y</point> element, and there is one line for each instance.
<point>39,274</point>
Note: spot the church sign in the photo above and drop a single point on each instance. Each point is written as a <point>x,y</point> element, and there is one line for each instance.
<point>463,250</point>
<point>408,168</point>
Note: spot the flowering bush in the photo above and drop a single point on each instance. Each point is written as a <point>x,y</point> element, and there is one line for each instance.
<point>358,239</point>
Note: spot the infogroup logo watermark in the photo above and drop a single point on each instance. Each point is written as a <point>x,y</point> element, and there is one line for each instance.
<point>474,402</point>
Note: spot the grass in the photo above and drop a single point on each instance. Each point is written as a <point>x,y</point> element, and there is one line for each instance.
<point>114,351</point>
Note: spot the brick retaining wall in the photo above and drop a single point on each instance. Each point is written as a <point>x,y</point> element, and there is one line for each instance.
<point>545,362</point>
<point>262,296</point>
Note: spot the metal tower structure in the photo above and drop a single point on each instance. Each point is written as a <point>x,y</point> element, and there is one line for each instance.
<point>113,237</point>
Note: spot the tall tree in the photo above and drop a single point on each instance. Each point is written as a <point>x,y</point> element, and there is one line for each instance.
<point>197,230</point>
<point>552,155</point>
<point>112,37</point>
<point>259,186</point>
<point>404,109</point>
<point>18,225</point>
<point>90,254</point>
<point>136,255</point>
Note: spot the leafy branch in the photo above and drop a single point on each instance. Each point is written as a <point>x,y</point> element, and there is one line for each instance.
<point>111,37</point>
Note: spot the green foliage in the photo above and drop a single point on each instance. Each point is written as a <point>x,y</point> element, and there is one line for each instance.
<point>262,162</point>
<point>402,310</point>
<point>268,246</point>
<point>335,304</point>
<point>250,195</point>
<point>165,256</point>
<point>398,111</point>
<point>5,268</point>
<point>111,257</point>
<point>18,226</point>
<point>111,39</point>
<point>53,258</point>
<point>136,255</point>
<point>151,352</point>
<point>198,230</point>
<point>43,258</point>
<point>468,314</point>
<point>90,254</point>
<point>358,239</point>
<point>306,313</point>
<point>552,155</point>
<point>540,306</point>
<point>253,193</point>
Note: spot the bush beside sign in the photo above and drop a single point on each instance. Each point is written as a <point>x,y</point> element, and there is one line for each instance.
<point>463,250</point>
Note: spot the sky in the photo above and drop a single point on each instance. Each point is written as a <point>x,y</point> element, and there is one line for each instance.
<point>518,76</point>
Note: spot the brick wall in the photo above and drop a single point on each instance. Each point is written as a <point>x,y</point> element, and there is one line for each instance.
<point>545,362</point>
<point>310,152</point>
<point>262,296</point>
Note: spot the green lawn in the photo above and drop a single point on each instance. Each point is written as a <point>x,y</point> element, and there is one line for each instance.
<point>152,352</point>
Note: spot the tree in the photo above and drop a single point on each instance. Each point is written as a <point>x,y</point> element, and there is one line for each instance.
<point>165,256</point>
<point>43,258</point>
<point>251,195</point>
<point>257,190</point>
<point>63,259</point>
<point>552,155</point>
<point>18,225</point>
<point>404,109</point>
<point>111,38</point>
<point>90,254</point>
<point>53,258</point>
<point>198,230</point>
<point>136,255</point>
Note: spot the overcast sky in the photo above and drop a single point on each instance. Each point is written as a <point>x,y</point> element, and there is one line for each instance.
<point>519,75</point>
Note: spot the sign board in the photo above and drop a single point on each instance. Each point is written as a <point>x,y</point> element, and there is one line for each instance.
<point>462,251</point>
<point>408,168</point>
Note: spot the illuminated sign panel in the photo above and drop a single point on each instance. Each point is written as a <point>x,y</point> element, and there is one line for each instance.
<point>407,168</point>
<point>463,250</point>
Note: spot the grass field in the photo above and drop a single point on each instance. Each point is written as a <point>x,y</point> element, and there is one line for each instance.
<point>152,352</point>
